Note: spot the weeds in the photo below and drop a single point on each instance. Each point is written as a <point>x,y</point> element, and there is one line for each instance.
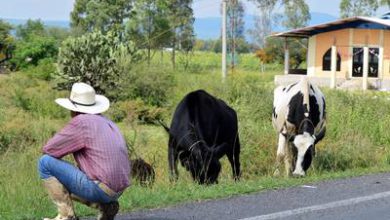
<point>357,139</point>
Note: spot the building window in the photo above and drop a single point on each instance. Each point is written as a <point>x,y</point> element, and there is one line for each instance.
<point>326,60</point>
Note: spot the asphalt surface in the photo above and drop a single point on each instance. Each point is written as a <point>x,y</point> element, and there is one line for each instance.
<point>360,198</point>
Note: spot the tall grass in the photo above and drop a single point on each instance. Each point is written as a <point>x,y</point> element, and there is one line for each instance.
<point>357,139</point>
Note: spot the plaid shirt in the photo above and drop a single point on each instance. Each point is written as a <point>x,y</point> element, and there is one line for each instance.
<point>98,148</point>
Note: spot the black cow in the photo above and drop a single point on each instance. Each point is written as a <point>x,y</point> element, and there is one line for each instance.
<point>203,130</point>
<point>299,117</point>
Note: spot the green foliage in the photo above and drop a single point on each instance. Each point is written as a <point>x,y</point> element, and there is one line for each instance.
<point>357,136</point>
<point>95,58</point>
<point>45,69</point>
<point>274,49</point>
<point>58,33</point>
<point>29,29</point>
<point>36,42</point>
<point>297,14</point>
<point>135,111</point>
<point>350,8</point>
<point>26,101</point>
<point>235,20</point>
<point>150,26</point>
<point>181,19</point>
<point>6,41</point>
<point>100,15</point>
<point>152,84</point>
<point>242,46</point>
<point>31,51</point>
<point>385,2</point>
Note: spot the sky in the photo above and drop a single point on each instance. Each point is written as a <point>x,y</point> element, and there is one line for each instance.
<point>60,9</point>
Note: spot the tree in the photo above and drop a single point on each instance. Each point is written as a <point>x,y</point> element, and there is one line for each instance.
<point>263,24</point>
<point>6,41</point>
<point>181,19</point>
<point>30,28</point>
<point>385,2</point>
<point>350,8</point>
<point>235,27</point>
<point>274,52</point>
<point>35,42</point>
<point>297,14</point>
<point>150,25</point>
<point>58,33</point>
<point>31,51</point>
<point>101,15</point>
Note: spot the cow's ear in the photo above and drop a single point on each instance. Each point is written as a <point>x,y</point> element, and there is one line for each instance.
<point>320,135</point>
<point>220,150</point>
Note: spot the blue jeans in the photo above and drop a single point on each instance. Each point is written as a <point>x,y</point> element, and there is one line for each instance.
<point>74,180</point>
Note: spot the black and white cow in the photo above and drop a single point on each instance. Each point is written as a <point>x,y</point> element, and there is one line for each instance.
<point>203,130</point>
<point>299,117</point>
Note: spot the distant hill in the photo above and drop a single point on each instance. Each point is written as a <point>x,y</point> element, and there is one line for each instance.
<point>63,24</point>
<point>210,27</point>
<point>205,28</point>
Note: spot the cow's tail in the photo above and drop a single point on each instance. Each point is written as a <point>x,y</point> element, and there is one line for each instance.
<point>142,171</point>
<point>306,94</point>
<point>160,122</point>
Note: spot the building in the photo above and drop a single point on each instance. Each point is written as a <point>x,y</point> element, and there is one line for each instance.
<point>361,53</point>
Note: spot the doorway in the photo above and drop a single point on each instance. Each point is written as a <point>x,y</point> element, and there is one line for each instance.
<point>357,62</point>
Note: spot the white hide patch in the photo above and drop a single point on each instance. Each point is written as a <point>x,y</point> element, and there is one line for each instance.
<point>302,142</point>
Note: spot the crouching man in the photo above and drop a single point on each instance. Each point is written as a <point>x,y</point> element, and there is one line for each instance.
<point>98,148</point>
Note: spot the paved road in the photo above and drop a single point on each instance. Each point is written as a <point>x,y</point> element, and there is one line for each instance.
<point>361,198</point>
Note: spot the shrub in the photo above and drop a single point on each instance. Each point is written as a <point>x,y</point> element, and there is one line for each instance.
<point>135,110</point>
<point>44,70</point>
<point>93,58</point>
<point>31,51</point>
<point>151,84</point>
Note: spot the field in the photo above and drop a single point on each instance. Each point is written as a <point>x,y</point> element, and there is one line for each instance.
<point>357,139</point>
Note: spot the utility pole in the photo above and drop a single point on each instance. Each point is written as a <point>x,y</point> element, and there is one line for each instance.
<point>224,73</point>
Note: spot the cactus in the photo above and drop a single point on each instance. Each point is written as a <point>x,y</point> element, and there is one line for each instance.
<point>93,58</point>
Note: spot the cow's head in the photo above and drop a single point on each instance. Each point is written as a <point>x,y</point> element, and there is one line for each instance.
<point>304,150</point>
<point>203,162</point>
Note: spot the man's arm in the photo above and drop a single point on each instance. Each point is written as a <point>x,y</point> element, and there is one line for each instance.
<point>70,139</point>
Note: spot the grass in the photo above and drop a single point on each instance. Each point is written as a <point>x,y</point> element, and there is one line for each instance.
<point>357,140</point>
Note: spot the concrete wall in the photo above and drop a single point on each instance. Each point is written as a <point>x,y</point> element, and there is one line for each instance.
<point>324,42</point>
<point>386,54</point>
<point>345,40</point>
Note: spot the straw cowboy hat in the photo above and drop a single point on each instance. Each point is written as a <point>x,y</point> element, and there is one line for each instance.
<point>83,99</point>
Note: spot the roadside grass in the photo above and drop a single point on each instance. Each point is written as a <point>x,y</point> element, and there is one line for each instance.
<point>357,141</point>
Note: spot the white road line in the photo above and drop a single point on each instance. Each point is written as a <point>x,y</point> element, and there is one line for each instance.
<point>313,208</point>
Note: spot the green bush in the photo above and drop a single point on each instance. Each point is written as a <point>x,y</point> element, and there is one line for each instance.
<point>135,111</point>
<point>31,51</point>
<point>44,70</point>
<point>152,84</point>
<point>93,58</point>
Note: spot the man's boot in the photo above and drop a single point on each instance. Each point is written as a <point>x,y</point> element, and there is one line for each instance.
<point>61,198</point>
<point>108,210</point>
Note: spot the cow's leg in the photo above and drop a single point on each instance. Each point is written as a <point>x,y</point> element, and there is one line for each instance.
<point>280,153</point>
<point>288,159</point>
<point>172,159</point>
<point>234,159</point>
